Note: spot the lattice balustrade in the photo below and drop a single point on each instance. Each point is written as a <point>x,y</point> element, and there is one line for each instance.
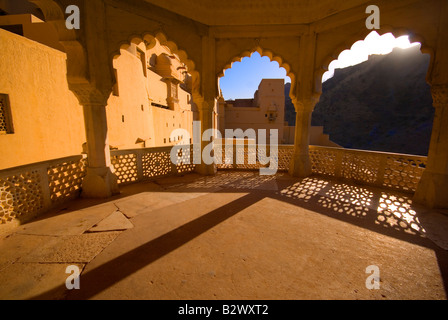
<point>125,166</point>
<point>396,171</point>
<point>184,162</point>
<point>65,179</point>
<point>323,161</point>
<point>156,164</point>
<point>148,163</point>
<point>224,163</point>
<point>247,158</point>
<point>361,167</point>
<point>404,172</point>
<point>285,154</point>
<point>282,157</point>
<point>21,196</point>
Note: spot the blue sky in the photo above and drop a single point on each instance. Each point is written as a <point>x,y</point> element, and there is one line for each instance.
<point>242,80</point>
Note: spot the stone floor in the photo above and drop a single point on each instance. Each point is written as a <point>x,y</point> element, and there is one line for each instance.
<point>232,236</point>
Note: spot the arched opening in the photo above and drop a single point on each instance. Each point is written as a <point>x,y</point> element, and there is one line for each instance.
<point>255,91</point>
<point>375,97</point>
<point>152,95</point>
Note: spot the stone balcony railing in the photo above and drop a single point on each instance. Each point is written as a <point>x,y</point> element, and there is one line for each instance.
<point>29,190</point>
<point>137,165</point>
<point>386,170</point>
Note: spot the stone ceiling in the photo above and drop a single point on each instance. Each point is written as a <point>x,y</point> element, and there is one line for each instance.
<point>250,12</point>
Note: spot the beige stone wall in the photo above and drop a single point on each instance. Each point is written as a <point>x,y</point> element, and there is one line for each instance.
<point>270,93</point>
<point>34,29</point>
<point>133,120</point>
<point>47,119</point>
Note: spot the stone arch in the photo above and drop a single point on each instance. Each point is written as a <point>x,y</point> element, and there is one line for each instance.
<point>150,41</point>
<point>272,57</point>
<point>360,36</point>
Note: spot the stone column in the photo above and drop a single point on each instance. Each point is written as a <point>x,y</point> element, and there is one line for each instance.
<point>300,163</point>
<point>206,118</point>
<point>432,190</point>
<point>205,97</point>
<point>100,182</point>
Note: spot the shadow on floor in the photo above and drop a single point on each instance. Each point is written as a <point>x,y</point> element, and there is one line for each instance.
<point>386,212</point>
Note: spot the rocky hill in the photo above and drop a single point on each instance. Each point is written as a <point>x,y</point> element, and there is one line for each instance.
<point>383,104</point>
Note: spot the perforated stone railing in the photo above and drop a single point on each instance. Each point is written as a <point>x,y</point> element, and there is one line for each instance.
<point>143,164</point>
<point>388,170</point>
<point>29,190</point>
<point>249,158</point>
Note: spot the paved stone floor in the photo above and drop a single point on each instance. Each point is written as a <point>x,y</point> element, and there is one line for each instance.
<point>232,236</point>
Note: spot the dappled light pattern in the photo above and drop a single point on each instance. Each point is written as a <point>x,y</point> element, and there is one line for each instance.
<point>305,190</point>
<point>65,179</point>
<point>156,164</point>
<point>396,212</point>
<point>21,196</point>
<point>393,210</point>
<point>347,199</point>
<point>125,167</point>
<point>234,180</point>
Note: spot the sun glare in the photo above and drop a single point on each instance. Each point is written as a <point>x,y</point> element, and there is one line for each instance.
<point>361,50</point>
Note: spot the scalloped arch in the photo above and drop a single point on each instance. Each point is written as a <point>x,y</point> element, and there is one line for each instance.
<point>150,41</point>
<point>349,43</point>
<point>271,56</point>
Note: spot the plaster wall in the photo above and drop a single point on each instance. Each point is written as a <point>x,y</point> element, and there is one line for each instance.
<point>47,118</point>
<point>135,118</point>
<point>270,93</point>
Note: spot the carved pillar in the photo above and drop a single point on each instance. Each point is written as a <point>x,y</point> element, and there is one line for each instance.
<point>206,118</point>
<point>432,190</point>
<point>300,163</point>
<point>100,181</point>
<point>206,99</point>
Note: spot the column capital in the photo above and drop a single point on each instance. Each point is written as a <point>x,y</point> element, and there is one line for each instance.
<point>439,95</point>
<point>306,104</point>
<point>88,95</point>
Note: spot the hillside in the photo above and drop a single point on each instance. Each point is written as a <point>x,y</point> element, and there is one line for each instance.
<point>383,104</point>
